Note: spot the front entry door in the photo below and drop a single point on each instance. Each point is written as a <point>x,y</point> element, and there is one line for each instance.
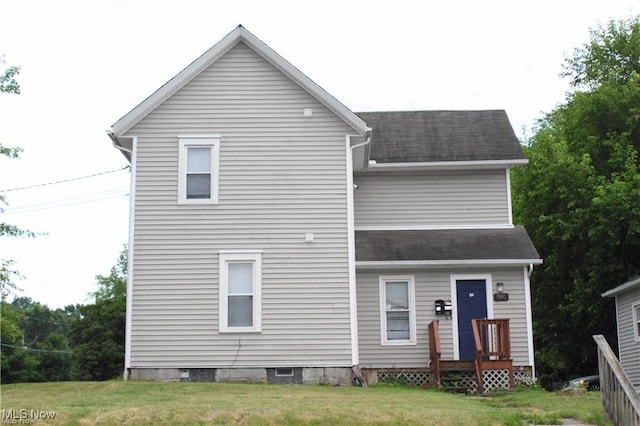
<point>472,304</point>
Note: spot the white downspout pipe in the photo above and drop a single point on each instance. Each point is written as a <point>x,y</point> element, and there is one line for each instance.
<point>351,248</point>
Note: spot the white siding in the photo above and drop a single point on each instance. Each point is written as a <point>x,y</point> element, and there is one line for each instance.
<point>430,286</point>
<point>281,175</point>
<point>434,199</point>
<point>629,347</point>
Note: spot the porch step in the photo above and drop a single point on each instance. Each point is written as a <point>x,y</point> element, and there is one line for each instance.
<point>450,365</point>
<point>457,376</point>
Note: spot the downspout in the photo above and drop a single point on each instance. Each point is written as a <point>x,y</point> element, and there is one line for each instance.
<point>351,248</point>
<point>114,141</point>
<point>529,318</point>
<point>128,153</point>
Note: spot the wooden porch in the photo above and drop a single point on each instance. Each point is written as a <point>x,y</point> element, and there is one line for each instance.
<point>492,367</point>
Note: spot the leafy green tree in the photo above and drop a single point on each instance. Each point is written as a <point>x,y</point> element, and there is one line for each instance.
<point>98,337</point>
<point>9,84</point>
<point>580,201</point>
<point>37,349</point>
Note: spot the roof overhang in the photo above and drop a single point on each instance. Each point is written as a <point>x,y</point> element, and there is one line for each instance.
<point>629,285</point>
<point>239,34</point>
<point>124,145</point>
<point>445,165</point>
<point>435,264</point>
<point>445,247</point>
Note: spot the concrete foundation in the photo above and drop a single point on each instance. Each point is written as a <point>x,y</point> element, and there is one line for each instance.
<point>336,376</point>
<point>242,375</point>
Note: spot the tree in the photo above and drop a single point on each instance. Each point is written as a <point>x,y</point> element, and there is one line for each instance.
<point>37,348</point>
<point>98,337</point>
<point>580,200</point>
<point>9,84</point>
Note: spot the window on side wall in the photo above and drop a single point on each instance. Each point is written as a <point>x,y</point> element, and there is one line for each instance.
<point>397,310</point>
<point>199,158</point>
<point>240,292</point>
<point>636,320</point>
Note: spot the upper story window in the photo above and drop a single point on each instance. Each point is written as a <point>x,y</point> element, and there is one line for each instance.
<point>397,310</point>
<point>198,169</point>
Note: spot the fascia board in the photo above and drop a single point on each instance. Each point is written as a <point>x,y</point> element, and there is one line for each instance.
<point>305,82</point>
<point>445,165</point>
<point>621,288</point>
<point>412,264</point>
<point>213,54</point>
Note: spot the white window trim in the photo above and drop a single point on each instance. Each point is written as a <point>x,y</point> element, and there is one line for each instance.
<point>383,310</point>
<point>636,320</point>
<point>225,259</point>
<point>186,142</point>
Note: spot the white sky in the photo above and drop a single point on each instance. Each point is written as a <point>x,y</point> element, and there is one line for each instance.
<point>87,63</point>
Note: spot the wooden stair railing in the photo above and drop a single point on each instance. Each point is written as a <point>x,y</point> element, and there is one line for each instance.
<point>434,353</point>
<point>493,348</point>
<point>620,400</point>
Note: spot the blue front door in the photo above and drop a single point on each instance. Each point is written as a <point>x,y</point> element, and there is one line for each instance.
<point>472,304</point>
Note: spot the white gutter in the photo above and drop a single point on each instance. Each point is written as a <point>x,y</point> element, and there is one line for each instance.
<point>447,165</point>
<point>132,198</point>
<point>351,248</point>
<point>529,318</point>
<point>407,264</point>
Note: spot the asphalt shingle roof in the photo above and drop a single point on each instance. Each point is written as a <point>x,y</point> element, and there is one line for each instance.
<point>428,136</point>
<point>456,244</point>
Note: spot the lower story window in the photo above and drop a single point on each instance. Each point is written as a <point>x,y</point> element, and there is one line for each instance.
<point>636,320</point>
<point>240,291</point>
<point>397,310</point>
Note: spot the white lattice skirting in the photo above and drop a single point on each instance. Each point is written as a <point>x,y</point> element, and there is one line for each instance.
<point>493,379</point>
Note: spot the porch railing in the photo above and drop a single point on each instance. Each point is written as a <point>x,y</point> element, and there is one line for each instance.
<point>435,352</point>
<point>493,348</point>
<point>492,339</point>
<point>619,399</point>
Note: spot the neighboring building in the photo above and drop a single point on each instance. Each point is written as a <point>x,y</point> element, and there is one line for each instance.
<point>627,298</point>
<point>278,236</point>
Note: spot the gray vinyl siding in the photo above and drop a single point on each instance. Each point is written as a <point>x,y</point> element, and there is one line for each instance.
<point>434,199</point>
<point>430,286</point>
<point>628,346</point>
<point>281,176</point>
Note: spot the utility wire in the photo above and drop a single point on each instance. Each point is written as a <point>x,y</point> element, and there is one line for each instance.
<point>63,180</point>
<point>73,201</point>
<point>36,350</point>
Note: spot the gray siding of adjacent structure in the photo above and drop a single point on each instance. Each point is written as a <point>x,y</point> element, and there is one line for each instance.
<point>281,176</point>
<point>431,285</point>
<point>475,198</point>
<point>629,348</point>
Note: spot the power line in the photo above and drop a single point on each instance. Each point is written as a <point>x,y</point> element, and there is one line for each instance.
<point>71,201</point>
<point>36,350</point>
<point>38,185</point>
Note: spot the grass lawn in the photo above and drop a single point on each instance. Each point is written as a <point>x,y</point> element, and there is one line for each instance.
<point>161,403</point>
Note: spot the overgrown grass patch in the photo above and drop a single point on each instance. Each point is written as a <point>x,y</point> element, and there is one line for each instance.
<point>153,403</point>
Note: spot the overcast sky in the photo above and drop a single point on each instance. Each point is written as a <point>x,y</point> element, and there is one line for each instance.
<point>87,63</point>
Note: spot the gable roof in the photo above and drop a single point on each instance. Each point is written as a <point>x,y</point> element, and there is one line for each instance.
<point>239,34</point>
<point>442,136</point>
<point>629,285</point>
<point>508,245</point>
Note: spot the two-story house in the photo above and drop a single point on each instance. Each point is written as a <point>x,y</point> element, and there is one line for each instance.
<point>277,236</point>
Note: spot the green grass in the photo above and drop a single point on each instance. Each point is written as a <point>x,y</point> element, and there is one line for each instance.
<point>157,403</point>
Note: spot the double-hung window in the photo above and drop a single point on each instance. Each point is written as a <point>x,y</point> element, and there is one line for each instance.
<point>198,169</point>
<point>397,310</point>
<point>240,292</point>
<point>636,320</point>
